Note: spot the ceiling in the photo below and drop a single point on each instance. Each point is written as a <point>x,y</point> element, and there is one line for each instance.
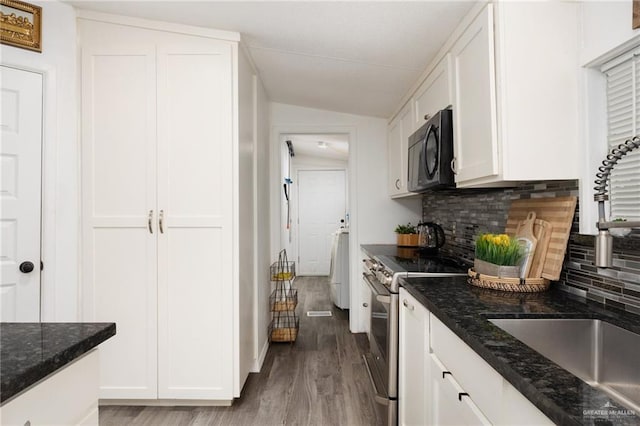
<point>358,57</point>
<point>337,146</point>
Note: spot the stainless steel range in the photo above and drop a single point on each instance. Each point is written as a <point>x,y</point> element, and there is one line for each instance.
<point>382,274</point>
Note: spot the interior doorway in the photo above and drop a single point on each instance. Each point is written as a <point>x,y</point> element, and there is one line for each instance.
<point>20,194</point>
<point>315,197</point>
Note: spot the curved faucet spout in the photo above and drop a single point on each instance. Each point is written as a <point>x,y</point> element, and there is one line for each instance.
<point>604,241</point>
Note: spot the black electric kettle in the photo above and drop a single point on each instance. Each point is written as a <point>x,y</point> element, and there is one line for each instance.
<point>431,235</point>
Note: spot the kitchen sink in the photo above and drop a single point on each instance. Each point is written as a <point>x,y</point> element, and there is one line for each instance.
<point>601,354</point>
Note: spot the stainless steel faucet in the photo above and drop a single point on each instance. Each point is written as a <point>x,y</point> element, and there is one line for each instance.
<point>604,241</point>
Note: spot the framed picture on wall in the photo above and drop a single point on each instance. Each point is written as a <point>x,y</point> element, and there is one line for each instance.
<point>20,24</point>
<point>635,21</point>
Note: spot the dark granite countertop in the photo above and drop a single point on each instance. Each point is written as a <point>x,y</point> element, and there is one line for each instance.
<point>563,397</point>
<point>31,351</point>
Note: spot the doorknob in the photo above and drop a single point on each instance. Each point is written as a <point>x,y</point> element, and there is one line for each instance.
<point>26,267</point>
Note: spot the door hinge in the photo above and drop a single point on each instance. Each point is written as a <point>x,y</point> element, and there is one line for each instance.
<point>41,265</point>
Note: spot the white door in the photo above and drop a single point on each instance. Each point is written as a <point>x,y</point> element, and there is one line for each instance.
<point>119,214</point>
<point>321,205</point>
<point>20,194</point>
<point>196,206</point>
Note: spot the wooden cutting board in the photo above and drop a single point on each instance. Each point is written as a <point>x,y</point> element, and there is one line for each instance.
<point>527,239</point>
<point>558,212</point>
<point>542,230</point>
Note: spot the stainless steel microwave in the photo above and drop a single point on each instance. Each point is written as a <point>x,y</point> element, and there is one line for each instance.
<point>431,154</point>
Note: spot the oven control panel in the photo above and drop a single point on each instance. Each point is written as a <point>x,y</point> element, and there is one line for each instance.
<point>374,268</point>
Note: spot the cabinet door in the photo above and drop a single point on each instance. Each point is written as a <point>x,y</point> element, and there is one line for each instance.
<point>474,108</point>
<point>195,203</point>
<point>407,127</point>
<point>118,211</point>
<point>450,404</point>
<point>69,396</point>
<point>397,146</point>
<point>413,361</point>
<point>435,93</point>
<point>366,307</point>
<point>394,161</point>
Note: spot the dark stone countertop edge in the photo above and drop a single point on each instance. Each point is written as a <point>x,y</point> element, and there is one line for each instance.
<point>545,404</point>
<point>373,250</point>
<point>25,380</point>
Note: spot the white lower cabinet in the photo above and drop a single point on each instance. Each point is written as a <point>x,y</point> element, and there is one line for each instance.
<point>413,362</point>
<point>365,310</point>
<point>67,397</point>
<point>450,403</point>
<point>442,381</point>
<point>494,396</point>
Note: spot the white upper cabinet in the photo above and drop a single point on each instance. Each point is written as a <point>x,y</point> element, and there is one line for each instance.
<point>474,111</point>
<point>516,94</point>
<point>398,134</point>
<point>435,93</point>
<point>510,74</point>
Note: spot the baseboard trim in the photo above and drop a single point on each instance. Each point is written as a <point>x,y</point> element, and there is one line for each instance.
<point>257,365</point>
<point>167,402</point>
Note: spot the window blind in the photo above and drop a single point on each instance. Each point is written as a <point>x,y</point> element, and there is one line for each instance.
<point>623,122</point>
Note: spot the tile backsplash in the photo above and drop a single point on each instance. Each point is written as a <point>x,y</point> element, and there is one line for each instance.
<point>464,213</point>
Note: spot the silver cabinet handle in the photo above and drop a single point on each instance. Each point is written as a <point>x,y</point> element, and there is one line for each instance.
<point>397,183</point>
<point>407,305</point>
<point>453,166</point>
<point>161,222</point>
<point>149,223</point>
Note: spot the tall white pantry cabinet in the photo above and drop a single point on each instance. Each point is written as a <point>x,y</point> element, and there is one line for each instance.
<point>158,193</point>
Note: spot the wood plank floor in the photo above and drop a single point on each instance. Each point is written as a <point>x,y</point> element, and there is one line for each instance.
<point>319,380</point>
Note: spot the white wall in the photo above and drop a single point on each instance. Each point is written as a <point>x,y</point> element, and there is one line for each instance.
<point>60,156</point>
<point>605,33</point>
<point>373,214</point>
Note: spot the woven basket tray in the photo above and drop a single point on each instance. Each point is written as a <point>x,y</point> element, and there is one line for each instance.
<point>528,285</point>
<point>283,305</point>
<point>284,334</point>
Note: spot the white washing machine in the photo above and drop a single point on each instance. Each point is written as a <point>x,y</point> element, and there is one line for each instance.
<point>339,274</point>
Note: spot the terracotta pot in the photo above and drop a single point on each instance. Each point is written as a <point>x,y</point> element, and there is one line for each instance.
<point>408,240</point>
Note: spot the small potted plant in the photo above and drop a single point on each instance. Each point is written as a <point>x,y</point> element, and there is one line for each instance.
<point>498,255</point>
<point>407,235</point>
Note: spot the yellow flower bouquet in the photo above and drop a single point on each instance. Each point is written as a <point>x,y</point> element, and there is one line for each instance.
<point>498,255</point>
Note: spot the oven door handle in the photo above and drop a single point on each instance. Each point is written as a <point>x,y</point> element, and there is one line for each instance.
<point>385,300</point>
<point>380,297</point>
